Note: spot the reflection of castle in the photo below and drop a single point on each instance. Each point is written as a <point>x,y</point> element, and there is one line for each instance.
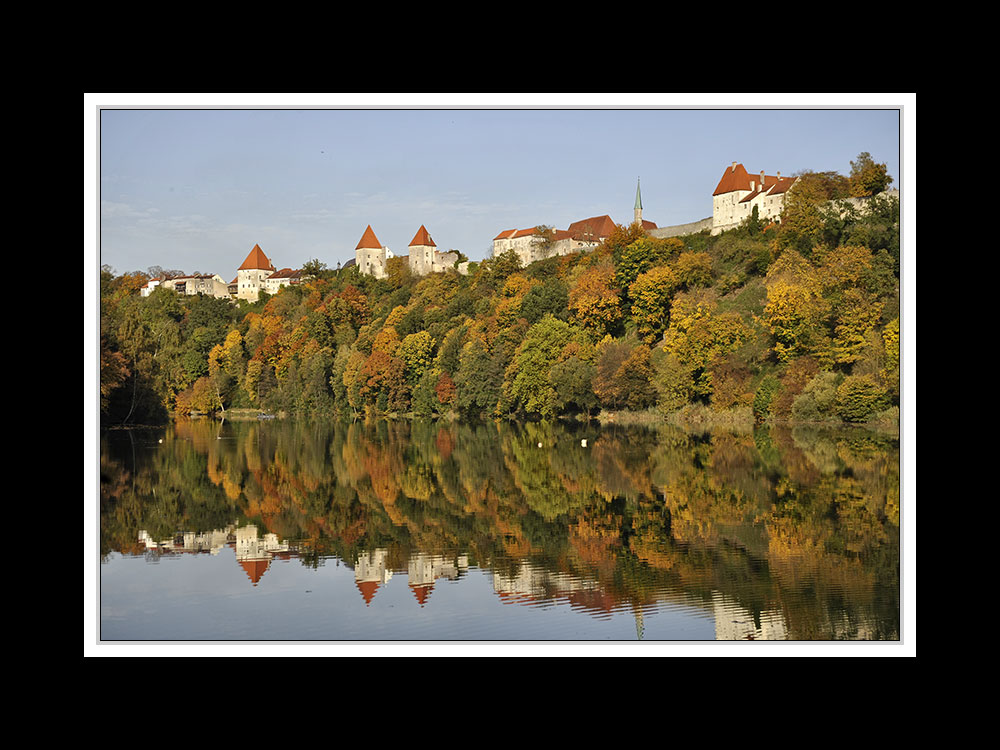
<point>189,541</point>
<point>734,623</point>
<point>371,570</point>
<point>254,553</point>
<point>532,583</point>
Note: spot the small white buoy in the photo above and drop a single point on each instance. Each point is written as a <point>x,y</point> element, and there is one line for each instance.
<point>584,442</point>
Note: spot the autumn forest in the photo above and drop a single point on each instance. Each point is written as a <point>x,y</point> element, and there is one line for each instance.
<point>790,322</point>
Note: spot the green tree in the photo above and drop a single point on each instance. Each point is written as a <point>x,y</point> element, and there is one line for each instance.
<point>526,382</point>
<point>673,382</point>
<point>479,380</point>
<point>764,397</point>
<point>868,177</point>
<point>551,297</point>
<point>572,385</point>
<point>802,223</point>
<point>752,222</point>
<point>641,255</point>
<point>634,380</point>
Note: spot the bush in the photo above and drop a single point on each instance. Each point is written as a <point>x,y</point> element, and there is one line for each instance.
<point>859,397</point>
<point>817,401</point>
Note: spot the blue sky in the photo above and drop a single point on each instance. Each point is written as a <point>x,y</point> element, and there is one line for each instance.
<point>194,189</point>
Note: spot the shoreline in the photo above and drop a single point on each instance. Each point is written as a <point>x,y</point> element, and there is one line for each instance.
<point>691,418</point>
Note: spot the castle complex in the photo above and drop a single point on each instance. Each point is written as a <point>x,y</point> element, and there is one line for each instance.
<point>371,256</point>
<point>739,192</point>
<point>537,243</point>
<point>256,274</point>
<point>736,195</point>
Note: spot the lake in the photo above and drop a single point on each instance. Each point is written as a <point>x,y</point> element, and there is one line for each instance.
<point>398,531</point>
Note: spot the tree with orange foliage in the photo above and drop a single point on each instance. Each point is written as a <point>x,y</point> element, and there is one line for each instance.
<point>445,389</point>
<point>595,302</point>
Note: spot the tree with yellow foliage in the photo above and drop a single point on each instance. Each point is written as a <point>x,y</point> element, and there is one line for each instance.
<point>795,308</point>
<point>595,302</point>
<point>868,177</point>
<point>698,333</point>
<point>417,353</point>
<point>651,294</point>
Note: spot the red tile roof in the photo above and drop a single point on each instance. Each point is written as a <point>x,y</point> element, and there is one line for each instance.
<point>595,227</point>
<point>505,235</point>
<point>783,184</point>
<point>286,273</point>
<point>421,592</point>
<point>254,569</point>
<point>368,590</point>
<point>421,238</point>
<point>737,178</point>
<point>369,240</point>
<point>256,260</point>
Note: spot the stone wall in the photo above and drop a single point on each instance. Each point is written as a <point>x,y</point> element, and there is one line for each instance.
<point>679,230</point>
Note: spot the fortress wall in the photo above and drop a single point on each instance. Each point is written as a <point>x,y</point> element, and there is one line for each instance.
<point>679,230</point>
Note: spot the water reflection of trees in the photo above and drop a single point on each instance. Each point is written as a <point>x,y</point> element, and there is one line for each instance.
<point>797,521</point>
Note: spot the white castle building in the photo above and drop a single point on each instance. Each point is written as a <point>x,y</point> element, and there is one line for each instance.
<point>371,256</point>
<point>257,274</point>
<point>738,192</point>
<point>211,284</point>
<point>533,244</point>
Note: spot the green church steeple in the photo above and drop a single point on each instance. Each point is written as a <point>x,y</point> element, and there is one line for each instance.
<point>638,203</point>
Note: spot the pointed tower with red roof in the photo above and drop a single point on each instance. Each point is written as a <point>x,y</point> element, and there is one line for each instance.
<point>422,249</point>
<point>371,256</point>
<point>251,275</point>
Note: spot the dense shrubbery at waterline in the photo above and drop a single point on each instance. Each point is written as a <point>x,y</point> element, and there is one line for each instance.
<point>798,321</point>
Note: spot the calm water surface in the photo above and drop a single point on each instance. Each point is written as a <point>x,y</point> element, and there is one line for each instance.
<point>423,531</point>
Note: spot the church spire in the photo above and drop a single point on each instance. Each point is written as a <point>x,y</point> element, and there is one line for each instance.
<point>638,203</point>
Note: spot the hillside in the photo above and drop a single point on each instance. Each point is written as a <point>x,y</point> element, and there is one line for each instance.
<point>792,322</point>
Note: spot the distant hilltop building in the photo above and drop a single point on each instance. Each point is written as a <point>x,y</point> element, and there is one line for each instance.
<point>257,274</point>
<point>739,191</point>
<point>371,256</point>
<point>210,284</point>
<point>534,244</point>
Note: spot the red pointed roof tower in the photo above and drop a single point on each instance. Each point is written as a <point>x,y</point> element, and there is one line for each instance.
<point>369,241</point>
<point>422,238</point>
<point>256,260</point>
<point>367,589</point>
<point>421,592</point>
<point>255,569</point>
